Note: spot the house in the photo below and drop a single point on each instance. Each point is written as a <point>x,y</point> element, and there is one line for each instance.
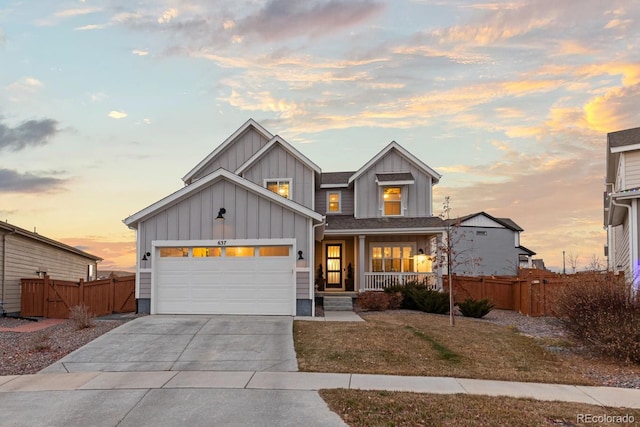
<point>26,254</point>
<point>258,228</point>
<point>621,202</point>
<point>484,246</point>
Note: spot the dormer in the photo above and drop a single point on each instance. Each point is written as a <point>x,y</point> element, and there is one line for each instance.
<point>280,168</point>
<point>394,183</point>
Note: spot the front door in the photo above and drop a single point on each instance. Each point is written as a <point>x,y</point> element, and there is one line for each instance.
<point>334,265</point>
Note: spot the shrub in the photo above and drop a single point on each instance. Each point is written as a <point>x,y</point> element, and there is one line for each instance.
<point>81,316</point>
<point>379,301</point>
<point>600,312</point>
<point>416,296</point>
<point>477,308</point>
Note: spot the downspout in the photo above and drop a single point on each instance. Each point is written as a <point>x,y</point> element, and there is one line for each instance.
<point>312,257</point>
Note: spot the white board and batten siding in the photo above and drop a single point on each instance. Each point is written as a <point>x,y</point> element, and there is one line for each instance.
<point>278,163</point>
<point>234,155</point>
<point>416,197</point>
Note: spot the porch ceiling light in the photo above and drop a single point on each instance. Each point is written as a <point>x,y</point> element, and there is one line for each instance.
<point>221,213</point>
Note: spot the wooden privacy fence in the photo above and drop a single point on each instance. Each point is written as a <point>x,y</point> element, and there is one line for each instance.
<point>533,292</point>
<point>54,298</point>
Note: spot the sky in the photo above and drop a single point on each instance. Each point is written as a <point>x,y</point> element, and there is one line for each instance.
<point>105,105</point>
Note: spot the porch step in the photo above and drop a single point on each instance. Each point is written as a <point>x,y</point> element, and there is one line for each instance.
<point>332,303</point>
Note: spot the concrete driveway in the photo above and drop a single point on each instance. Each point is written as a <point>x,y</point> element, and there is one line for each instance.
<point>189,343</point>
<point>172,371</point>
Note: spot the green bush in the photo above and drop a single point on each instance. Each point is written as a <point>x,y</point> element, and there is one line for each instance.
<point>477,308</point>
<point>600,311</point>
<point>416,296</point>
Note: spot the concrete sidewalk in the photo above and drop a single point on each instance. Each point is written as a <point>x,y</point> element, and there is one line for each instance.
<point>311,381</point>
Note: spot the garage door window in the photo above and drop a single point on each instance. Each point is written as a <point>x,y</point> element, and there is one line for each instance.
<point>206,252</point>
<point>240,251</point>
<point>174,252</point>
<point>274,251</point>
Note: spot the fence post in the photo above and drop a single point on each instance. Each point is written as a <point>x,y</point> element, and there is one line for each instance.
<point>112,292</point>
<point>45,297</point>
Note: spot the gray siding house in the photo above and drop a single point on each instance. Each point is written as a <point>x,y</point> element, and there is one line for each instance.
<point>622,192</point>
<point>258,228</point>
<point>25,254</point>
<point>484,246</point>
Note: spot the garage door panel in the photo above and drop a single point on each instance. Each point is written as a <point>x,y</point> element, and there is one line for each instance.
<point>225,285</point>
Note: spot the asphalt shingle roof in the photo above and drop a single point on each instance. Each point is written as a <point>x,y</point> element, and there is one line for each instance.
<point>624,137</point>
<point>336,177</point>
<point>385,177</point>
<point>347,222</point>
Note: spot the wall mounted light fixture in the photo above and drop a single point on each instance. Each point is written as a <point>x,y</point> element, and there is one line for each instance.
<point>221,213</point>
<point>300,257</point>
<point>145,255</point>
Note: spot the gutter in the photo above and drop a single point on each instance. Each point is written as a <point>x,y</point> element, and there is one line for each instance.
<point>312,257</point>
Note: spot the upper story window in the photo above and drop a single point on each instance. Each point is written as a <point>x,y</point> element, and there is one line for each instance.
<point>334,202</point>
<point>392,201</point>
<point>279,186</point>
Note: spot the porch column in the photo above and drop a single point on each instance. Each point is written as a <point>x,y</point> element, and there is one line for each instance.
<point>440,262</point>
<point>361,263</point>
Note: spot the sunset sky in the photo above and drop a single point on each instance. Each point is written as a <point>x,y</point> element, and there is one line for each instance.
<point>105,105</point>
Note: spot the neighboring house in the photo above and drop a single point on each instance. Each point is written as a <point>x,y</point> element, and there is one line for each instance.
<point>621,202</point>
<point>25,254</point>
<point>260,229</point>
<point>485,246</point>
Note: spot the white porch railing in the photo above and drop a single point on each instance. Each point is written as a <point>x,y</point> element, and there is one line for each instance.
<point>380,281</point>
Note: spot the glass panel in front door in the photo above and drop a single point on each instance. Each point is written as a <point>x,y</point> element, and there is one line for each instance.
<point>334,266</point>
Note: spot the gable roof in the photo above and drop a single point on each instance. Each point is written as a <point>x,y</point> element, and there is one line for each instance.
<point>278,140</point>
<point>40,238</point>
<point>226,143</point>
<point>395,146</point>
<point>505,222</point>
<point>133,220</point>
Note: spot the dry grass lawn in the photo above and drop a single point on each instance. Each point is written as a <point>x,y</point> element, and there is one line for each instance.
<point>414,343</point>
<point>380,408</point>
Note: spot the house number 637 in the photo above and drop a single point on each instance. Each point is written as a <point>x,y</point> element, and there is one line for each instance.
<point>222,242</point>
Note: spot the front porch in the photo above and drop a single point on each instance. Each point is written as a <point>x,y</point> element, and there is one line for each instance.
<point>348,265</point>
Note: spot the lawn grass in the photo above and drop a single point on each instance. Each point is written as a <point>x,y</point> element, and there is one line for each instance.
<point>383,408</point>
<point>415,343</point>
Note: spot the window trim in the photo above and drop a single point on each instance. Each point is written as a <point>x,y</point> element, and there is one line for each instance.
<point>401,245</point>
<point>278,181</point>
<point>339,211</point>
<point>403,189</point>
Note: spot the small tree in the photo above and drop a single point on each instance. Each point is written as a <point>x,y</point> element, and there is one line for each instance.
<point>450,254</point>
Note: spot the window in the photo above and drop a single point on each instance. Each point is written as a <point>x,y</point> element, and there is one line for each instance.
<point>239,251</point>
<point>273,251</point>
<point>206,252</point>
<point>279,186</point>
<point>174,252</point>
<point>334,202</point>
<point>392,257</point>
<point>392,201</point>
